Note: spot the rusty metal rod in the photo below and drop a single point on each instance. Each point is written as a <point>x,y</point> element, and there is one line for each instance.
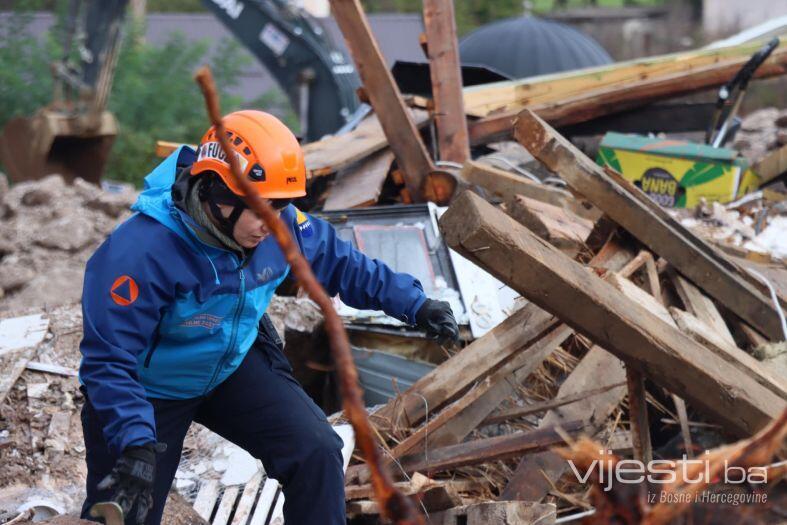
<point>393,504</point>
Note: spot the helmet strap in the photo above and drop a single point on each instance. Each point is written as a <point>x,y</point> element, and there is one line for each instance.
<point>215,192</point>
<point>226,224</point>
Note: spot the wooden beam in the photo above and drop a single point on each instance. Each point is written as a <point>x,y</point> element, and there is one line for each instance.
<point>638,415</point>
<point>360,184</point>
<point>407,488</point>
<point>701,306</point>
<point>403,137</point>
<point>497,513</point>
<point>772,165</point>
<point>504,185</point>
<point>745,363</point>
<point>627,206</point>
<point>543,406</point>
<point>474,362</point>
<point>559,227</point>
<point>432,432</point>
<point>604,101</point>
<point>334,152</point>
<point>486,449</point>
<point>482,100</point>
<point>443,53</point>
<point>538,271</point>
<point>612,256</point>
<point>481,405</point>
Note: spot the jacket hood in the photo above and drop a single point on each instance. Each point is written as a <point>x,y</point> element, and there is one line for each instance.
<point>157,200</point>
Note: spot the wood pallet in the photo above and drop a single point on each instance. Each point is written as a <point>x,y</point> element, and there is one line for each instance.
<point>259,502</point>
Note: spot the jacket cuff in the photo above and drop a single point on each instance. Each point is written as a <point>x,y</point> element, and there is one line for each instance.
<point>410,314</point>
<point>135,435</point>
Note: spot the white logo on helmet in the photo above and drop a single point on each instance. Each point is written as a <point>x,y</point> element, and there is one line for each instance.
<point>213,150</point>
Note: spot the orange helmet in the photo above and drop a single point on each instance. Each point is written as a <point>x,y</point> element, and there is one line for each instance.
<point>269,155</point>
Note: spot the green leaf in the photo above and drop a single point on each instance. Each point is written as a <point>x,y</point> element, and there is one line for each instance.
<point>700,173</point>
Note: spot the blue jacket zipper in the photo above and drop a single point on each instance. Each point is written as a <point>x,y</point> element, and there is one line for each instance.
<point>153,345</point>
<point>234,333</point>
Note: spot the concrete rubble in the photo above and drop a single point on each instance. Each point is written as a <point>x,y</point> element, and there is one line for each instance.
<point>48,231</point>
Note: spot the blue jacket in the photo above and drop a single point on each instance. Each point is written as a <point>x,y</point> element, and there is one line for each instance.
<point>168,316</point>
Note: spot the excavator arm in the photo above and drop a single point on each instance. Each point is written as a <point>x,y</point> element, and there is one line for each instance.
<point>318,78</point>
<point>73,135</point>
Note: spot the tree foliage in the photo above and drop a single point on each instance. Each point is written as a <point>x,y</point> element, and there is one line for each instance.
<point>153,94</point>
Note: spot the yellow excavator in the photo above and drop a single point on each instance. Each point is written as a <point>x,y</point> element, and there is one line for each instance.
<point>74,133</point>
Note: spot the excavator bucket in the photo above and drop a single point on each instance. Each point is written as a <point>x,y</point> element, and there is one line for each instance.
<point>51,142</point>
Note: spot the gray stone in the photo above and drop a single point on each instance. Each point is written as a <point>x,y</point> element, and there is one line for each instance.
<point>70,233</point>
<point>15,275</point>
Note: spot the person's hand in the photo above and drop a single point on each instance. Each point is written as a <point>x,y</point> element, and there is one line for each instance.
<point>437,319</point>
<point>132,478</point>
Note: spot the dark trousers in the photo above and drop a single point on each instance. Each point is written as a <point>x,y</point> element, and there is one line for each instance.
<point>260,408</point>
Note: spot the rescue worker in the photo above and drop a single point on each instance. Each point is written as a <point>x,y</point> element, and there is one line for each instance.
<point>174,330</point>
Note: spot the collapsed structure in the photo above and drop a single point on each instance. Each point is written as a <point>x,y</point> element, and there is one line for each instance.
<point>631,329</point>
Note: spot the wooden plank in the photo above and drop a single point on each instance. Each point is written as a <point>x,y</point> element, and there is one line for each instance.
<point>502,386</point>
<point>538,271</point>
<point>680,405</point>
<point>683,419</point>
<point>403,137</point>
<point>701,306</point>
<point>225,506</point>
<point>487,449</point>
<point>483,356</point>
<point>22,332</point>
<point>533,476</point>
<point>504,185</point>
<point>592,104</point>
<point>206,498</point>
<point>745,363</point>
<point>771,165</point>
<point>530,357</point>
<point>453,424</point>
<point>247,498</point>
<point>49,368</point>
<point>360,185</point>
<point>638,415</point>
<point>497,513</point>
<point>559,227</point>
<point>277,514</point>
<point>641,297</point>
<point>407,488</point>
<point>611,256</point>
<point>334,152</point>
<point>269,490</point>
<point>510,512</point>
<point>516,94</point>
<point>443,52</point>
<point>657,230</point>
<point>537,408</point>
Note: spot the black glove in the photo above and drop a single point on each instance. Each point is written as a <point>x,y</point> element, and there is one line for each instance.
<point>437,319</point>
<point>132,478</point>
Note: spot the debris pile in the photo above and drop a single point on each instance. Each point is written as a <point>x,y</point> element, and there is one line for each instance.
<point>762,130</point>
<point>589,312</point>
<point>48,231</point>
